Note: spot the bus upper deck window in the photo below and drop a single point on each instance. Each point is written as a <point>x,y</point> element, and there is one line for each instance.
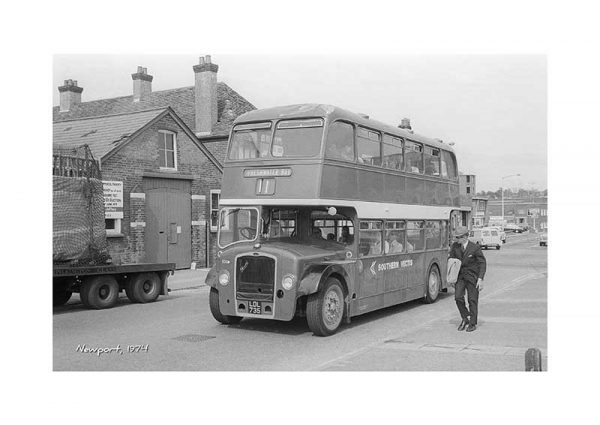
<point>413,155</point>
<point>250,141</point>
<point>340,141</point>
<point>432,161</point>
<point>298,138</point>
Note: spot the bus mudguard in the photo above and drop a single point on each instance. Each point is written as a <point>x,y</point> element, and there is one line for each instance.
<point>211,278</point>
<point>317,274</point>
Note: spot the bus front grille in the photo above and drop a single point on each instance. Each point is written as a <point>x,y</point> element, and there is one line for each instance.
<point>255,278</point>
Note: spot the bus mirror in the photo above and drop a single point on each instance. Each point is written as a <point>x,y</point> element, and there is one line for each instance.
<point>332,211</point>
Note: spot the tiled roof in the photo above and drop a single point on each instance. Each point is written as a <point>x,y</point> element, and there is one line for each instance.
<point>101,134</point>
<point>181,100</point>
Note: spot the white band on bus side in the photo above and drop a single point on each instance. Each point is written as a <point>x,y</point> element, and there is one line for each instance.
<point>363,209</point>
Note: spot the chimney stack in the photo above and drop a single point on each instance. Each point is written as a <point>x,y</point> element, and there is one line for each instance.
<point>70,94</point>
<point>205,92</point>
<point>405,124</point>
<point>142,83</point>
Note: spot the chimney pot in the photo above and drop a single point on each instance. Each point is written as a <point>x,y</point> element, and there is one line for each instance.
<point>207,58</point>
<point>201,60</point>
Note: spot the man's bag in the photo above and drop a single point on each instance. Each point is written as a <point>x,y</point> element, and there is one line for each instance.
<point>453,269</point>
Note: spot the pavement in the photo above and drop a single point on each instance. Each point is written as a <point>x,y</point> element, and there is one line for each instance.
<point>187,279</point>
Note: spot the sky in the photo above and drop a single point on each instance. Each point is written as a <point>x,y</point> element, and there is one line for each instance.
<point>492,107</point>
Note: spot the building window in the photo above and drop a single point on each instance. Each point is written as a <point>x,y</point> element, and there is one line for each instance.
<point>215,196</point>
<point>468,190</point>
<point>113,227</point>
<point>468,179</point>
<point>167,150</point>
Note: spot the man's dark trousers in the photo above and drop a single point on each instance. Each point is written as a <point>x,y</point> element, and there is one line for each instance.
<point>473,297</point>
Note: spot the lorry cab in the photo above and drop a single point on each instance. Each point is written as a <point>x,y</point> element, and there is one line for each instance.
<point>486,237</point>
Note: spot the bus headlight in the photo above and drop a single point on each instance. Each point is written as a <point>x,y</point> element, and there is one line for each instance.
<point>288,281</point>
<point>224,277</point>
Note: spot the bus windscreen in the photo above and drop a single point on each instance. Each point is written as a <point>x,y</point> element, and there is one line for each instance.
<point>292,138</point>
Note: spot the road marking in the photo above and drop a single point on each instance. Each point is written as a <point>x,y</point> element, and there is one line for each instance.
<point>460,348</point>
<point>518,320</point>
<point>520,301</point>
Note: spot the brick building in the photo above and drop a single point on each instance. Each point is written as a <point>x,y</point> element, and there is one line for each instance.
<point>160,155</point>
<point>531,211</point>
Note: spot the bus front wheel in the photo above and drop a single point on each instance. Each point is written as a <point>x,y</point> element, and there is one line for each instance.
<point>325,309</point>
<point>213,301</point>
<point>433,285</point>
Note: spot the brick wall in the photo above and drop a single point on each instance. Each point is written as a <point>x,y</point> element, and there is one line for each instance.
<point>141,156</point>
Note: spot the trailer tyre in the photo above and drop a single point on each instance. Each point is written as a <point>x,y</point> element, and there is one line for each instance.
<point>213,301</point>
<point>143,288</point>
<point>99,292</point>
<point>325,309</point>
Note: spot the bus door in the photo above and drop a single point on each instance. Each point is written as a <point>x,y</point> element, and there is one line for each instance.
<point>371,282</point>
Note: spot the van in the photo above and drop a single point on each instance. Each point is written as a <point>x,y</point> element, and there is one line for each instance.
<point>485,237</point>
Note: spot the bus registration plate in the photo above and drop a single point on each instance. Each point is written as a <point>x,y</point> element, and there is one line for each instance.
<point>254,307</point>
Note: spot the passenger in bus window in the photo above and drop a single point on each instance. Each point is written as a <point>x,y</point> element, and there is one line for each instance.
<point>375,247</point>
<point>394,243</point>
<point>316,233</point>
<point>346,237</point>
<point>330,237</point>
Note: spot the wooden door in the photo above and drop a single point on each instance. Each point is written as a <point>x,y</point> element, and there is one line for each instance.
<point>168,235</point>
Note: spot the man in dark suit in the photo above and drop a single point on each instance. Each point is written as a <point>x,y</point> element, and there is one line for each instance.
<point>470,277</point>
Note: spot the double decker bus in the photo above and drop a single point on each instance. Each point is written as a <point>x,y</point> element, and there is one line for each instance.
<point>328,214</point>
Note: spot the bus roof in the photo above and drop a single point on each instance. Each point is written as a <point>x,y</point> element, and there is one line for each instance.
<point>331,113</point>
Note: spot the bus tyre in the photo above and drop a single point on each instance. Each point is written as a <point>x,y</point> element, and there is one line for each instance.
<point>99,292</point>
<point>433,285</point>
<point>325,309</point>
<point>213,301</point>
<point>143,288</point>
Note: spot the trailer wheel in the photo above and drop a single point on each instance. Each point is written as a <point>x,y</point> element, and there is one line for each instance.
<point>432,287</point>
<point>60,297</point>
<point>325,309</point>
<point>143,288</point>
<point>213,301</point>
<point>99,292</point>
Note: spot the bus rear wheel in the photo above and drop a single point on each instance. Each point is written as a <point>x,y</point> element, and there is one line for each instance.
<point>213,300</point>
<point>433,285</point>
<point>325,309</point>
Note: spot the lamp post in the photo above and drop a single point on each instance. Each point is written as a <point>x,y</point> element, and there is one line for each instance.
<point>502,191</point>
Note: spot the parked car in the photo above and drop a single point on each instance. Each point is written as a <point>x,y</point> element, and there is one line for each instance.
<point>513,228</point>
<point>544,238</point>
<point>501,232</point>
<point>485,237</point>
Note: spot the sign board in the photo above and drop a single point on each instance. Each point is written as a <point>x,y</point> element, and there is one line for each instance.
<point>113,199</point>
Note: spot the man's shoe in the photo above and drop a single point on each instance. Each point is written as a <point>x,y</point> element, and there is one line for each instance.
<point>471,328</point>
<point>463,324</point>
